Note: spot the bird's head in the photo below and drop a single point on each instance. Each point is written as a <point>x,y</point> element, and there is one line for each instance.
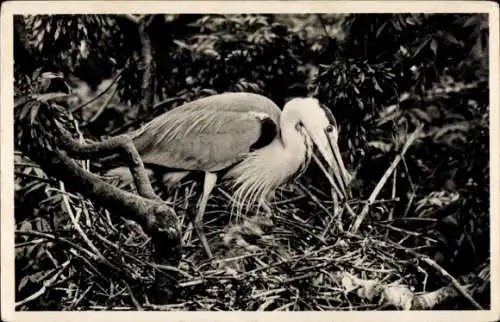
<point>316,123</point>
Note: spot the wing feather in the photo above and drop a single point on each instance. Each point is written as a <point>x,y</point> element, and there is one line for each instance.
<point>209,134</point>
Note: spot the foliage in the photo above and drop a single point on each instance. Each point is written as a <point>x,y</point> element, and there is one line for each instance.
<point>380,74</point>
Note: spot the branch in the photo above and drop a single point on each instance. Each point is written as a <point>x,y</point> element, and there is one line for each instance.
<point>399,296</point>
<point>453,281</point>
<point>157,219</point>
<point>115,79</point>
<point>359,219</point>
<point>46,284</point>
<point>116,144</point>
<point>50,144</point>
<point>102,108</point>
<point>148,84</point>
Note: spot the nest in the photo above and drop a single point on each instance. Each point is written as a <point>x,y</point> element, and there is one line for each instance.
<point>304,258</point>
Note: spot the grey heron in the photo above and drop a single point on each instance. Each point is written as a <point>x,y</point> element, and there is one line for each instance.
<point>245,138</point>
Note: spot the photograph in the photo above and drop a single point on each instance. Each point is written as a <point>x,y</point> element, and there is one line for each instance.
<point>243,161</point>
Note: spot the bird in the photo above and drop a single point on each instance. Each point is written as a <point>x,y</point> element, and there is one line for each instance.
<point>245,138</point>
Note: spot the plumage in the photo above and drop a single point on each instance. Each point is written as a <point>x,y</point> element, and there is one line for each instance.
<point>209,134</point>
<point>246,139</point>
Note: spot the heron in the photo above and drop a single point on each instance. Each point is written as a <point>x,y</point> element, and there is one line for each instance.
<point>245,138</point>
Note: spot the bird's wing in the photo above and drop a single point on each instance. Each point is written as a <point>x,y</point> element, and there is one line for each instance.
<point>207,135</point>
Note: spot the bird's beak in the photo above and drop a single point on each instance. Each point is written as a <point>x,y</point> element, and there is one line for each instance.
<point>329,150</point>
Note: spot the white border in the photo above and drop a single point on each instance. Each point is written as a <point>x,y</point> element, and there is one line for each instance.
<point>8,9</point>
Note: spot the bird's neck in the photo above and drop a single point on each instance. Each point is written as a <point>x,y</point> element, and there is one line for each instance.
<point>263,170</point>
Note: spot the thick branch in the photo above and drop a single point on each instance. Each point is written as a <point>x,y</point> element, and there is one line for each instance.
<point>119,144</point>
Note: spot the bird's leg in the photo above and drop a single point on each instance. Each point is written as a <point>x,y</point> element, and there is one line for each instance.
<point>208,185</point>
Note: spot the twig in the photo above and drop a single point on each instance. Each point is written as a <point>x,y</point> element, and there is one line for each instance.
<point>30,176</point>
<point>393,193</point>
<point>115,79</point>
<point>56,238</point>
<point>132,297</point>
<point>158,267</point>
<point>82,233</point>
<point>354,228</point>
<point>317,201</point>
<point>46,285</point>
<point>80,298</point>
<point>393,196</point>
<point>102,108</point>
<point>453,281</point>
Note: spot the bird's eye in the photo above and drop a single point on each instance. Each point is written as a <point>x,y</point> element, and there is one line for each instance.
<point>329,128</point>
<point>298,126</point>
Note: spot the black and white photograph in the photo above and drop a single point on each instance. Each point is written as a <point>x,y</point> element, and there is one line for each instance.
<point>244,161</point>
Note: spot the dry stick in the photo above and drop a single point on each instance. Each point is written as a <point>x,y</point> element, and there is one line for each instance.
<point>453,281</point>
<point>410,202</point>
<point>393,196</point>
<point>81,232</point>
<point>132,297</point>
<point>53,237</point>
<point>46,285</point>
<point>153,265</point>
<point>355,226</point>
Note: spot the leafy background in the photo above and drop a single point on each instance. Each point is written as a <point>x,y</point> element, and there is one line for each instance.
<point>380,74</point>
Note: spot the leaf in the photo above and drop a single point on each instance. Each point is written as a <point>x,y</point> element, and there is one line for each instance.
<point>210,52</point>
<point>422,115</point>
<point>25,226</point>
<point>339,80</point>
<point>181,44</point>
<point>360,103</point>
<point>377,86</point>
<point>463,127</point>
<point>450,38</point>
<point>420,47</point>
<point>34,113</point>
<point>26,108</point>
<point>380,145</point>
<point>58,31</point>
<point>45,98</point>
<point>23,282</point>
<point>38,23</point>
<point>434,46</point>
<point>471,21</point>
<point>84,52</point>
<point>380,29</point>
<point>410,21</point>
<point>396,25</point>
<point>40,35</point>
